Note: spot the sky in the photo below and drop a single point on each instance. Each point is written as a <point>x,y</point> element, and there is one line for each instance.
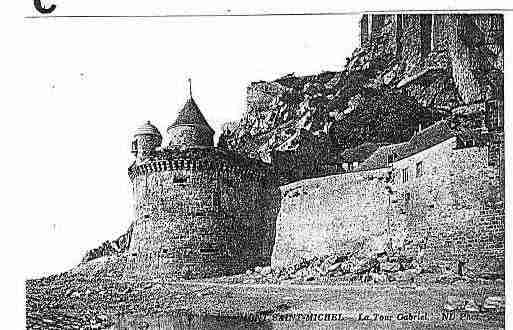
<point>93,81</point>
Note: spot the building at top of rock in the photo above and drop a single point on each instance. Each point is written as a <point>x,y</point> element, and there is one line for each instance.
<point>146,140</point>
<point>190,127</point>
<point>421,41</point>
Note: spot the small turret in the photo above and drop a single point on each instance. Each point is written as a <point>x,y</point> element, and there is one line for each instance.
<point>190,127</point>
<point>146,139</point>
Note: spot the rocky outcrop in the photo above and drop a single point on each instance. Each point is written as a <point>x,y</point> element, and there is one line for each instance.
<point>387,88</point>
<point>109,266</point>
<point>477,56</point>
<point>110,248</point>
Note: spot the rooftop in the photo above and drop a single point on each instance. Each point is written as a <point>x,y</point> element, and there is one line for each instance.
<point>190,115</point>
<point>147,129</point>
<point>427,138</point>
<point>356,154</point>
<point>379,159</point>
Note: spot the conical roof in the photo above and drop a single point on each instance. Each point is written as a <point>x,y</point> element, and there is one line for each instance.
<point>147,129</point>
<point>190,115</point>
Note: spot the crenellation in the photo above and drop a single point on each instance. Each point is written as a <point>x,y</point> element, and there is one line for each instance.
<point>198,210</point>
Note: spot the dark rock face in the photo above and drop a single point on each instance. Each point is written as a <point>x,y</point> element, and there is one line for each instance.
<point>109,248</point>
<point>411,70</point>
<point>477,54</point>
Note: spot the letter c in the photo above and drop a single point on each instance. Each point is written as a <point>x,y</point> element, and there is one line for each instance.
<point>43,10</point>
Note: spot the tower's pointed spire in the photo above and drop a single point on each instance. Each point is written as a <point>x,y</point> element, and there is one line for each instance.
<point>190,114</point>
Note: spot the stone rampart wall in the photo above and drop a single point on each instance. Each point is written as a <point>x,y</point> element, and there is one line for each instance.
<point>445,202</point>
<point>325,215</point>
<point>452,206</point>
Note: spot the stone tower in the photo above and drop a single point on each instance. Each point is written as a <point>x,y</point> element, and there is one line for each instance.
<point>200,211</point>
<point>146,140</point>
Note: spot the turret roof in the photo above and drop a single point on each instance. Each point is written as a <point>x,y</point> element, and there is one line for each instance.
<point>147,129</point>
<point>190,115</point>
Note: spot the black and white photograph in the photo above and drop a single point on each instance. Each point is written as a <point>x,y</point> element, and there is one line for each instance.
<point>198,166</point>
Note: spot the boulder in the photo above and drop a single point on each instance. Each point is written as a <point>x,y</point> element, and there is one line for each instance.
<point>471,306</point>
<point>378,244</point>
<point>365,265</point>
<point>345,267</point>
<point>331,260</point>
<point>490,276</point>
<point>321,271</point>
<point>378,278</point>
<point>403,276</point>
<point>455,303</point>
<point>390,267</point>
<point>406,262</point>
<point>266,270</point>
<point>334,267</point>
<point>495,302</point>
<point>301,273</point>
<point>414,271</point>
<point>388,77</point>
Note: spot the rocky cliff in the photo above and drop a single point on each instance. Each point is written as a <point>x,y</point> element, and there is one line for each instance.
<point>388,88</point>
<point>110,248</point>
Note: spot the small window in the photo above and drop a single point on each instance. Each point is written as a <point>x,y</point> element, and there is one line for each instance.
<point>391,159</point>
<point>405,175</point>
<point>420,169</point>
<point>180,179</point>
<point>134,146</point>
<point>355,165</point>
<point>208,250</point>
<point>295,194</point>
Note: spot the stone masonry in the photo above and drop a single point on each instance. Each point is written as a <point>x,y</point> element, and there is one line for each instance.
<point>200,211</point>
<point>435,196</point>
<point>328,215</point>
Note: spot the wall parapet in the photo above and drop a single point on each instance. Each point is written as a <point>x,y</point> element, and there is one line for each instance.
<point>200,159</point>
<point>340,178</point>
